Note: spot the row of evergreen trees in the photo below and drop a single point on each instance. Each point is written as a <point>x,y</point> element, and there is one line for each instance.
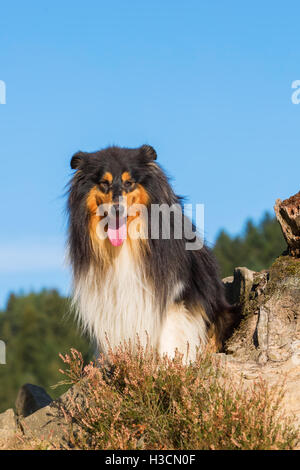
<point>256,248</point>
<point>37,327</point>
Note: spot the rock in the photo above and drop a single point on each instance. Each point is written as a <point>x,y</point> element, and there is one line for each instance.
<point>49,422</point>
<point>229,289</point>
<point>270,314</point>
<point>274,374</point>
<point>238,286</point>
<point>288,215</point>
<point>266,343</point>
<point>8,426</point>
<point>262,334</point>
<point>30,399</point>
<point>295,347</point>
<point>243,279</point>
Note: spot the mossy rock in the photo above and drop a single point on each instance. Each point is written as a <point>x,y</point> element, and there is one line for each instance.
<point>275,294</point>
<point>285,268</point>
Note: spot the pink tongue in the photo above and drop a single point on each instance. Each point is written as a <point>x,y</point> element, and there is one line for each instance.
<point>117,235</point>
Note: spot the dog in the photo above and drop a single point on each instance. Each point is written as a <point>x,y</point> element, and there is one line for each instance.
<point>128,284</point>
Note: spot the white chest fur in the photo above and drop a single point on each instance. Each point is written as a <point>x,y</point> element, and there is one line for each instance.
<point>119,305</point>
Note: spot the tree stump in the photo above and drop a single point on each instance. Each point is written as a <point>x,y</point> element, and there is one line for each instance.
<point>288,216</point>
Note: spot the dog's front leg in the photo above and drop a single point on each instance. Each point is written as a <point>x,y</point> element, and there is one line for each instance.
<point>184,331</point>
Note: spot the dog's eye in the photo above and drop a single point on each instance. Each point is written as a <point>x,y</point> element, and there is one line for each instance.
<point>104,184</point>
<point>128,184</point>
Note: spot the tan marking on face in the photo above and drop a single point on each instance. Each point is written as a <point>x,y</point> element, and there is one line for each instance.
<point>94,199</point>
<point>107,176</point>
<point>138,196</point>
<point>126,176</point>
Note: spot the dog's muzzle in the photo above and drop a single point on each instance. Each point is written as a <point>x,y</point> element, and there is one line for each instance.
<point>117,224</point>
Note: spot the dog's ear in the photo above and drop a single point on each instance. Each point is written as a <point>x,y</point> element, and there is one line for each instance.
<point>77,160</point>
<point>148,152</point>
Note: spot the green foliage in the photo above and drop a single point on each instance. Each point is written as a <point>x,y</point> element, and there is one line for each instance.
<point>256,248</point>
<point>35,329</point>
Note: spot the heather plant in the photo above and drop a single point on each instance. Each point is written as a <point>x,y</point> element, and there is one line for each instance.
<point>136,400</point>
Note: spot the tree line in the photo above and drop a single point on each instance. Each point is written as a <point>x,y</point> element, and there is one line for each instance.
<point>256,248</point>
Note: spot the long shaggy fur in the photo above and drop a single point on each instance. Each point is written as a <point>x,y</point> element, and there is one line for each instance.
<point>156,289</point>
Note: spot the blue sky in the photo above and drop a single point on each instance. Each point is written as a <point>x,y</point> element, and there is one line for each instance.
<point>207,83</point>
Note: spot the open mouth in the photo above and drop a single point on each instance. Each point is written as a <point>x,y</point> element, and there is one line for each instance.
<point>117,230</point>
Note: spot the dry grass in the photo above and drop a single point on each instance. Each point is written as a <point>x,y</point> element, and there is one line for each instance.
<point>143,401</point>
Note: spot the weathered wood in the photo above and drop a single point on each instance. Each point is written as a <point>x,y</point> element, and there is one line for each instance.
<point>288,215</point>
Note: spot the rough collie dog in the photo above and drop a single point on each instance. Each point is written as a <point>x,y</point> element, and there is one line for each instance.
<point>129,283</point>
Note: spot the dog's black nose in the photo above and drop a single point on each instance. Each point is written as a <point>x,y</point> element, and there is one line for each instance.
<point>118,209</point>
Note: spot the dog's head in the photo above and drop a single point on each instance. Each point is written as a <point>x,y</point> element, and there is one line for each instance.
<point>108,184</point>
